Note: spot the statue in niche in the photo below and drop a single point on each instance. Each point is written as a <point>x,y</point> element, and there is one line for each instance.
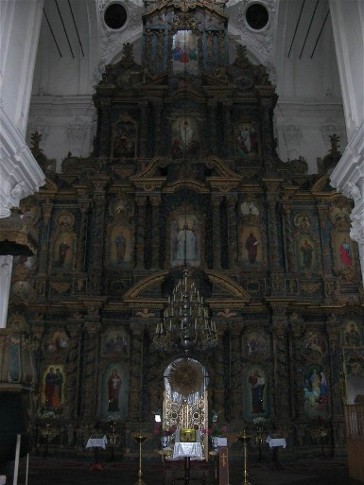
<point>185,240</point>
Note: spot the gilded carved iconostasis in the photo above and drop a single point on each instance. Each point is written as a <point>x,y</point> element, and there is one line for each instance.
<point>184,173</point>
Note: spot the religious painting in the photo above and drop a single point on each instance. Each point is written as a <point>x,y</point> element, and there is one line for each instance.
<point>343,253</point>
<point>314,343</point>
<point>251,251</point>
<point>246,140</point>
<point>351,334</point>
<point>64,249</point>
<point>256,393</point>
<point>121,245</point>
<point>306,254</point>
<point>185,240</point>
<point>124,138</point>
<point>116,342</point>
<point>58,341</point>
<point>185,52</point>
<point>302,221</point>
<point>185,137</point>
<point>256,345</point>
<point>316,392</point>
<point>53,387</point>
<point>114,391</point>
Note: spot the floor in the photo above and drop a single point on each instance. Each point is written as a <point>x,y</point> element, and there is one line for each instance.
<point>53,471</point>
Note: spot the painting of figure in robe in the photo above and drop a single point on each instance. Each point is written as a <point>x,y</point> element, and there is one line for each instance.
<point>114,395</point>
<point>246,140</point>
<point>316,392</point>
<point>121,245</point>
<point>53,387</point>
<point>185,137</point>
<point>251,245</point>
<point>256,392</point>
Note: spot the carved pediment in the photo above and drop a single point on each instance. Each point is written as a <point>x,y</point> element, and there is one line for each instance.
<point>143,293</point>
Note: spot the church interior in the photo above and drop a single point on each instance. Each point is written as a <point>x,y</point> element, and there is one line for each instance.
<point>182,241</point>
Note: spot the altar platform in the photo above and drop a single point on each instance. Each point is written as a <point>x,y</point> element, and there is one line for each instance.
<point>50,470</point>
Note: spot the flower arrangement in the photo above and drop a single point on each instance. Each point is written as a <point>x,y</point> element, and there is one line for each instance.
<point>160,431</point>
<point>259,424</point>
<point>217,430</point>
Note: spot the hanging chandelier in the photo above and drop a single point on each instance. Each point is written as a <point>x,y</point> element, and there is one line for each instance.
<point>186,324</point>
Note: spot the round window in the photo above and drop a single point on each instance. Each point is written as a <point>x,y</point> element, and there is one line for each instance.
<point>115,16</point>
<point>257,16</point>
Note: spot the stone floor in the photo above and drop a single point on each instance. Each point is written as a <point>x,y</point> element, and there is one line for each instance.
<point>57,471</point>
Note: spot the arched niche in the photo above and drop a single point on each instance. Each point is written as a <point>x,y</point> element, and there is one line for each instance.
<point>185,400</point>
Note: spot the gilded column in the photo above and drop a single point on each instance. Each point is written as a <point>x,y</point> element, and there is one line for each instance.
<point>159,143</point>
<point>89,380</point>
<point>212,114</point>
<point>219,387</point>
<point>235,381</point>
<point>143,105</point>
<point>277,281</point>
<point>95,270</point>
<point>232,227</point>
<point>47,208</point>
<point>140,231</point>
<point>155,202</point>
<point>323,212</point>
<point>228,131</point>
<point>84,204</point>
<point>135,392</point>
<point>296,333</point>
<point>281,382</point>
<point>216,202</point>
<point>72,367</point>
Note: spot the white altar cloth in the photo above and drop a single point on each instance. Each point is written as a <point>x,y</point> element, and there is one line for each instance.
<point>187,450</point>
<point>275,442</point>
<point>97,442</point>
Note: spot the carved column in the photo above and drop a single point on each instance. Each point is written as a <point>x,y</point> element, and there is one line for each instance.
<point>232,227</point>
<point>143,105</point>
<point>281,381</point>
<point>323,212</point>
<point>212,112</point>
<point>43,252</point>
<point>84,204</point>
<point>90,375</point>
<point>135,393</point>
<point>140,231</point>
<point>98,234</point>
<point>235,384</point>
<point>267,102</point>
<point>159,143</point>
<point>229,132</point>
<point>216,202</point>
<point>297,330</point>
<point>106,128</point>
<point>72,369</point>
<point>155,202</point>
<point>277,276</point>
<point>219,387</point>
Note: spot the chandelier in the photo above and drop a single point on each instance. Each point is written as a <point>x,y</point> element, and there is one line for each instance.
<point>186,324</point>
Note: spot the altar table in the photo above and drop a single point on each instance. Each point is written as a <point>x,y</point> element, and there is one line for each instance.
<point>187,451</point>
<point>96,443</point>
<point>275,444</point>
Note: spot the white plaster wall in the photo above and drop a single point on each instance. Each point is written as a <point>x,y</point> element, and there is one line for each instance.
<point>19,34</point>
